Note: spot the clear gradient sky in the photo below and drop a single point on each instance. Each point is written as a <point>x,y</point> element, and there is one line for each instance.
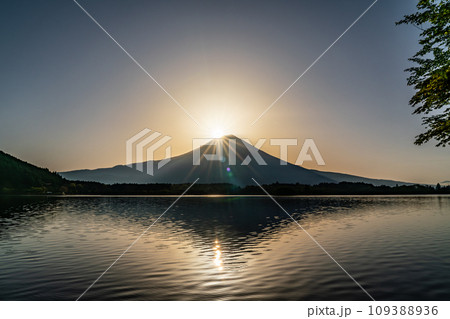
<point>70,98</point>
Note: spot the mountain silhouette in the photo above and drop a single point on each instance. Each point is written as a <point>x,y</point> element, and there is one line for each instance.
<point>181,169</point>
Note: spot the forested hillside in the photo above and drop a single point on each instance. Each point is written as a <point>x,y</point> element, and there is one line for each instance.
<point>17,176</point>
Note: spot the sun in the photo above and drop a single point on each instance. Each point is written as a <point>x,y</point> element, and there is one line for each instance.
<point>217,132</point>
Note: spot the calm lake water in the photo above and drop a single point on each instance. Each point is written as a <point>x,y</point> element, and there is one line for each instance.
<point>225,248</point>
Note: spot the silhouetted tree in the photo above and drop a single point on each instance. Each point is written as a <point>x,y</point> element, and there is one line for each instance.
<point>431,76</point>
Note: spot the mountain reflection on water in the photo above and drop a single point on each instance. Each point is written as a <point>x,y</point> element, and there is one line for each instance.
<point>224,248</point>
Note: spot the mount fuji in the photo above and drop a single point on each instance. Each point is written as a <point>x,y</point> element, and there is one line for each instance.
<point>180,169</point>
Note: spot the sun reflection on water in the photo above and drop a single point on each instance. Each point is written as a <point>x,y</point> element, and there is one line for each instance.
<point>218,256</point>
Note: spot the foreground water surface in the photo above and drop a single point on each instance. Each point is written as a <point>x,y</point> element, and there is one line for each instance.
<point>225,248</point>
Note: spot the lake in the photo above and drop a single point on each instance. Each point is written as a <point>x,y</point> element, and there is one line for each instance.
<point>225,248</point>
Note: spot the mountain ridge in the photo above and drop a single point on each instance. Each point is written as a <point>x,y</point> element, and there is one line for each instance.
<point>17,175</point>
<point>181,170</point>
